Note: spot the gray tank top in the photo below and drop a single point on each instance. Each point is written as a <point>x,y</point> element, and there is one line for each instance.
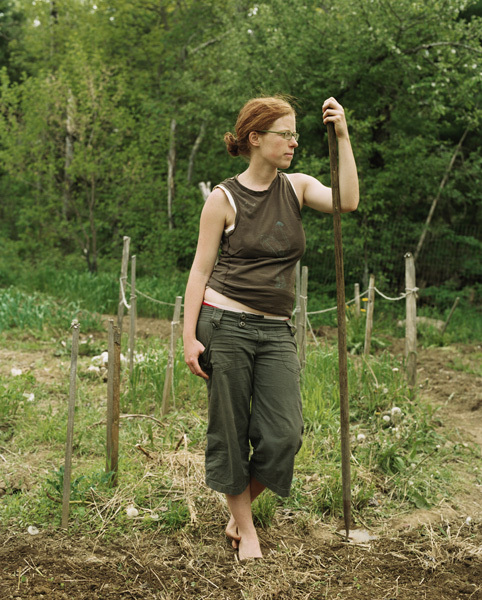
<point>257,262</point>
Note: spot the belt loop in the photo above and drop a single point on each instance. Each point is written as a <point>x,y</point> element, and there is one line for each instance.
<point>216,318</point>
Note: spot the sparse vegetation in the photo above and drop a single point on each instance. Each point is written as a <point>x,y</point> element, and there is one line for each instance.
<point>402,457</point>
<point>399,455</point>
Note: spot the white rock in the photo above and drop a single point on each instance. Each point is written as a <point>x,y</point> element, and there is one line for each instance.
<point>132,512</point>
<point>33,530</point>
<point>101,359</point>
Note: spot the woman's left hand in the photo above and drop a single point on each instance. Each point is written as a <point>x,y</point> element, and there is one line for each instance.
<point>333,113</point>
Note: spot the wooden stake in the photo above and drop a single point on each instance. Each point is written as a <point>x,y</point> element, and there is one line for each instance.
<point>70,425</point>
<point>342,350</point>
<point>123,281</point>
<point>302,316</point>
<point>297,301</point>
<point>133,316</point>
<point>411,320</point>
<point>357,299</point>
<point>169,379</point>
<point>370,309</point>
<point>113,400</point>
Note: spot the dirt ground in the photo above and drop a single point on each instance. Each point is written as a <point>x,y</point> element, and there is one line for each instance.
<point>426,554</point>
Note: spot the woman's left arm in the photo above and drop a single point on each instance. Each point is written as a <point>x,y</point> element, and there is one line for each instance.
<point>313,193</point>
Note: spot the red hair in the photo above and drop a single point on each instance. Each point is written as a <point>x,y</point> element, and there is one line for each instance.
<point>256,114</point>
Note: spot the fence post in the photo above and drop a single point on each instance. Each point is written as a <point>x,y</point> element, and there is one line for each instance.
<point>357,299</point>
<point>411,319</point>
<point>123,281</point>
<point>301,327</point>
<point>113,399</point>
<point>133,315</point>
<point>169,379</point>
<point>370,309</point>
<point>70,425</point>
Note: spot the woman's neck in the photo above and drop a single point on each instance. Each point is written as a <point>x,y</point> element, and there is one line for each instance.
<point>258,179</point>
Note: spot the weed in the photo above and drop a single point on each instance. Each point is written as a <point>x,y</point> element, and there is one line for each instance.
<point>264,509</point>
<point>79,487</point>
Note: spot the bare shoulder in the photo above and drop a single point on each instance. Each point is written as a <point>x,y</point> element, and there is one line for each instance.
<point>217,211</point>
<point>311,192</point>
<point>217,198</point>
<point>300,179</point>
<point>299,182</point>
<point>217,203</point>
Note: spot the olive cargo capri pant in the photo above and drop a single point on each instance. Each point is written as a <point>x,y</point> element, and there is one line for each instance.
<point>255,422</point>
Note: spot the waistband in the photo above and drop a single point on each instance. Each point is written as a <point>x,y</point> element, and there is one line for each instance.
<point>245,312</point>
<point>216,315</point>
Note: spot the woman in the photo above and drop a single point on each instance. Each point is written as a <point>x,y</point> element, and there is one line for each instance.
<point>237,330</point>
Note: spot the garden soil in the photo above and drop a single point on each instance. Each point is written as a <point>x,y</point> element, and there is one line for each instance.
<point>426,554</point>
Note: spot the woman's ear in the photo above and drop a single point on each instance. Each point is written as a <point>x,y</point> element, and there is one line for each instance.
<point>253,138</point>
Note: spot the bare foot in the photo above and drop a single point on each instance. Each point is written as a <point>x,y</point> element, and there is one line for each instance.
<point>232,532</point>
<point>249,547</point>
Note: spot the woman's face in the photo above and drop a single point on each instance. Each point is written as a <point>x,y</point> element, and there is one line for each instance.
<point>274,148</point>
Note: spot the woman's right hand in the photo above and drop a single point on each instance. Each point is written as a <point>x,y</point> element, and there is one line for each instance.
<point>192,351</point>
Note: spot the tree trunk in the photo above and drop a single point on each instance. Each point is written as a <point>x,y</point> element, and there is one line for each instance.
<point>171,165</point>
<point>93,229</point>
<point>194,151</point>
<point>205,187</point>
<point>69,156</point>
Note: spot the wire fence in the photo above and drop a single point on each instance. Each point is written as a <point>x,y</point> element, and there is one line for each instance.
<point>447,255</point>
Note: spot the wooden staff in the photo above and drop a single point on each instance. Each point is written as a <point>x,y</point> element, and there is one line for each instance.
<point>342,351</point>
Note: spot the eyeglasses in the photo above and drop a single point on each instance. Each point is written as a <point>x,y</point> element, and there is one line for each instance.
<point>287,135</point>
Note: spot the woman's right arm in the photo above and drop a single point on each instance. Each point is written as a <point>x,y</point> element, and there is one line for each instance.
<point>212,224</point>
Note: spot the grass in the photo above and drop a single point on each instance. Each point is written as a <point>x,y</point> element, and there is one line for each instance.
<point>400,458</point>
<point>99,293</point>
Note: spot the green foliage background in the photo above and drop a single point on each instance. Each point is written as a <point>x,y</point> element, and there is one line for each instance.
<point>89,91</point>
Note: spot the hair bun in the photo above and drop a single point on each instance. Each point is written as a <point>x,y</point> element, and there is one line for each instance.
<point>232,145</point>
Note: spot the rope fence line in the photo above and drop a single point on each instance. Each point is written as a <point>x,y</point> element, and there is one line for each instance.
<point>124,301</point>
<point>313,312</point>
<point>141,294</point>
<point>318,312</point>
<point>401,297</point>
